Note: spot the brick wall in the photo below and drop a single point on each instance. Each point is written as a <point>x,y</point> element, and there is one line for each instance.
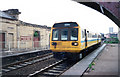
<point>114,7</point>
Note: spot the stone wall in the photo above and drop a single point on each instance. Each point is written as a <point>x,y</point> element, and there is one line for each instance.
<point>19,34</point>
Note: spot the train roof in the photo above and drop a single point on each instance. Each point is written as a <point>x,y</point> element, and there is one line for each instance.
<point>65,24</point>
<point>75,24</point>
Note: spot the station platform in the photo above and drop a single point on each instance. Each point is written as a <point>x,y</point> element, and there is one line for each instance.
<point>15,53</point>
<point>106,64</point>
<point>105,61</point>
<point>10,57</point>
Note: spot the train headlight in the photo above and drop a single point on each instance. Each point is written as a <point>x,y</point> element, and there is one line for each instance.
<point>75,43</point>
<point>54,43</point>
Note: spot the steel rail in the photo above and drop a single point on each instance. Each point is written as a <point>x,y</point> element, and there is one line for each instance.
<point>23,63</point>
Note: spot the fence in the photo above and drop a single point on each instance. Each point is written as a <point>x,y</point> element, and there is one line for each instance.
<point>24,45</point>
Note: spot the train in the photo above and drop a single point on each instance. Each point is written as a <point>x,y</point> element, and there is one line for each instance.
<point>70,40</point>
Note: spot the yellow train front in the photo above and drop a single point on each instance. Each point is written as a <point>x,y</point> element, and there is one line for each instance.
<point>68,40</point>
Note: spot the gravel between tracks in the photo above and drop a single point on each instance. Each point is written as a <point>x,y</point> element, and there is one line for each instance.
<point>25,71</point>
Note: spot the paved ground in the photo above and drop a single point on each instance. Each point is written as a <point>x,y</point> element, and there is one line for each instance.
<point>79,68</point>
<point>106,63</point>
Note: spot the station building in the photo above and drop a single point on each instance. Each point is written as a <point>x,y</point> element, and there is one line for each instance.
<point>17,34</point>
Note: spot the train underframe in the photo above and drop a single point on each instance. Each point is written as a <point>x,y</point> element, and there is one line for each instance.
<point>75,56</point>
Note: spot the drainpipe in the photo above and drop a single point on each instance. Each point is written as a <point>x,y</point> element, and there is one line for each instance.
<point>17,33</point>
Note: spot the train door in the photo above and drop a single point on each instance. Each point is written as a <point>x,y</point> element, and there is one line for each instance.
<point>85,38</point>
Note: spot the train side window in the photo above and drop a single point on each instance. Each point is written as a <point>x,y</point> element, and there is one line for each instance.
<point>99,36</point>
<point>89,35</point>
<point>55,34</point>
<point>94,36</point>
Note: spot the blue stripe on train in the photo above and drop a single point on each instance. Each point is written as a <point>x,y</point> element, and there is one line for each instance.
<point>89,40</point>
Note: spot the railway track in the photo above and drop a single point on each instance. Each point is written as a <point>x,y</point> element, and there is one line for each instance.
<point>55,69</point>
<point>23,63</point>
<point>8,59</point>
<point>44,66</point>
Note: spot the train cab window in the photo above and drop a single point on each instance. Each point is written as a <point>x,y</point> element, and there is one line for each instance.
<point>55,34</point>
<point>64,34</point>
<point>74,34</point>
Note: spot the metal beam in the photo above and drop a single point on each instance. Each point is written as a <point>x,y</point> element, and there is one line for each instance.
<point>103,10</point>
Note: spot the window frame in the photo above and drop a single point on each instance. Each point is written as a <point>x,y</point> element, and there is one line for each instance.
<point>68,37</point>
<point>71,34</point>
<point>61,34</point>
<point>58,34</point>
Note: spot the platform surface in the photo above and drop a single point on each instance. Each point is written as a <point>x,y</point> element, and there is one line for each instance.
<point>79,68</point>
<point>106,63</point>
<point>16,53</point>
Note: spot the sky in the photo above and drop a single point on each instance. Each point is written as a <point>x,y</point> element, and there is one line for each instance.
<point>48,12</point>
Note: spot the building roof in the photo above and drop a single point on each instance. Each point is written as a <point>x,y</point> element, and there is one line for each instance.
<point>34,25</point>
<point>12,11</point>
<point>4,15</point>
<point>7,15</point>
